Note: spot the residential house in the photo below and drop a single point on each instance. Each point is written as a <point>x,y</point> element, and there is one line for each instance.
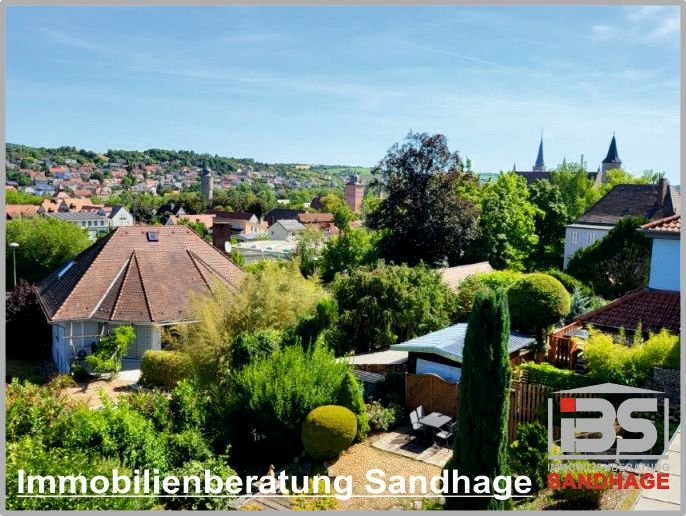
<point>441,352</point>
<point>453,276</point>
<point>651,309</point>
<point>143,276</point>
<point>322,221</point>
<point>15,211</point>
<point>94,223</point>
<point>285,230</point>
<point>281,214</point>
<point>236,224</point>
<point>120,216</point>
<point>635,200</point>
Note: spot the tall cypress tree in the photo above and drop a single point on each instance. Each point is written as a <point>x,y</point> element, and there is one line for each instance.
<point>481,441</point>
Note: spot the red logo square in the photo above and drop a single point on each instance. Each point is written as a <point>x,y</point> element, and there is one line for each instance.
<point>567,404</point>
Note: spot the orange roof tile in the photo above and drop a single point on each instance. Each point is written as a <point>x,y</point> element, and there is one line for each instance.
<point>667,225</point>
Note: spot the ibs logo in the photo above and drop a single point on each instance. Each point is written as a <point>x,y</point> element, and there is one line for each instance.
<point>597,415</point>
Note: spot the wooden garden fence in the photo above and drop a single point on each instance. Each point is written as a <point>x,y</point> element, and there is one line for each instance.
<point>528,402</point>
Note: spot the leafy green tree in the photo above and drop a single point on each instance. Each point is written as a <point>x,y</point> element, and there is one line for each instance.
<point>618,176</point>
<point>111,349</point>
<point>550,221</point>
<point>616,264</point>
<point>481,443</point>
<point>422,216</point>
<point>577,190</point>
<point>342,213</point>
<point>352,249</point>
<point>16,197</point>
<point>508,235</point>
<point>310,243</point>
<point>389,304</point>
<point>198,227</point>
<point>45,243</point>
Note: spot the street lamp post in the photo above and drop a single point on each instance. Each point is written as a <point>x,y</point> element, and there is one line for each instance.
<point>14,246</point>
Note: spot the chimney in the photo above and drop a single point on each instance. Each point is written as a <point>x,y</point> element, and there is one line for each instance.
<point>663,188</point>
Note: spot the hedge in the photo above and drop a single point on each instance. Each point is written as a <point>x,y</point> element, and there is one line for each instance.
<point>327,431</point>
<point>165,368</point>
<point>553,377</point>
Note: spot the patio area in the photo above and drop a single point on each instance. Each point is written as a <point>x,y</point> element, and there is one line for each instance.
<point>402,442</point>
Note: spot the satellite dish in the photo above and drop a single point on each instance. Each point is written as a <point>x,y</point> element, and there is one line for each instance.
<point>227,247</point>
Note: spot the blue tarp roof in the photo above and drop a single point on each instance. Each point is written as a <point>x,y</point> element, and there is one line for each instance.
<point>449,342</point>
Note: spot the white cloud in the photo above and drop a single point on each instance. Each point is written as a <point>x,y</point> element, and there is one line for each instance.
<point>602,32</point>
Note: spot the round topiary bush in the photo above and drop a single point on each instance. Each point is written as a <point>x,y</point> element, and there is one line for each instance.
<point>327,431</point>
<point>537,301</point>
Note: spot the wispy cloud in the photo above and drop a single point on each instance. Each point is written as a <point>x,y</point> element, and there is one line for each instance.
<point>448,53</point>
<point>647,24</point>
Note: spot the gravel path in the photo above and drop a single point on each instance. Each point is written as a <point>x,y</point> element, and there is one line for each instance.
<point>361,457</point>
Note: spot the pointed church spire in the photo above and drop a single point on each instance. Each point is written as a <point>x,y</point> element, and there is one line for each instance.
<point>612,154</point>
<point>540,164</point>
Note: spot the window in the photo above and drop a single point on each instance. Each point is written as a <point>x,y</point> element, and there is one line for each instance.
<point>574,237</point>
<point>592,237</point>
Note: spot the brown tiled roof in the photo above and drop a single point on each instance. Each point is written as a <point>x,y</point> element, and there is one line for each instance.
<point>282,214</point>
<point>633,200</point>
<point>453,276</point>
<point>234,215</point>
<point>125,277</point>
<point>13,211</point>
<point>313,218</point>
<point>653,309</point>
<point>670,225</point>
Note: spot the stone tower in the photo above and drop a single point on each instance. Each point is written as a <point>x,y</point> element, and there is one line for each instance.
<point>354,193</point>
<point>612,159</point>
<point>207,184</point>
<point>540,164</point>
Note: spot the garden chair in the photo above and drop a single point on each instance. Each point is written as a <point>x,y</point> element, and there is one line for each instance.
<point>445,435</point>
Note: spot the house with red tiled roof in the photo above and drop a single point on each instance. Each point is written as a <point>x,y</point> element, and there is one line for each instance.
<point>656,307</point>
<point>15,211</point>
<point>144,276</point>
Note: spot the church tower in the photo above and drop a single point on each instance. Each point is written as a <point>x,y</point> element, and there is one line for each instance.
<point>207,184</point>
<point>612,159</point>
<point>354,193</point>
<point>540,164</point>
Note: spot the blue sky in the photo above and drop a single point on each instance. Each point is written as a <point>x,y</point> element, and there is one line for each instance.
<point>340,85</point>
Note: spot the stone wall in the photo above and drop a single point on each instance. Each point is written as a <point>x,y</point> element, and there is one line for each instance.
<point>667,381</point>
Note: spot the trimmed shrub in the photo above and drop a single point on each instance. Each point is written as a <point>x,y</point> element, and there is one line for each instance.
<point>352,397</point>
<point>327,431</point>
<point>165,368</point>
<point>536,302</point>
<point>468,288</point>
<point>553,377</point>
<point>528,454</point>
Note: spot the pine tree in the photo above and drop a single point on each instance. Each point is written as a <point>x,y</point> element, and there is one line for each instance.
<point>481,441</point>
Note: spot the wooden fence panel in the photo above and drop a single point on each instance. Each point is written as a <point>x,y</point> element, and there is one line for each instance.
<point>431,392</point>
